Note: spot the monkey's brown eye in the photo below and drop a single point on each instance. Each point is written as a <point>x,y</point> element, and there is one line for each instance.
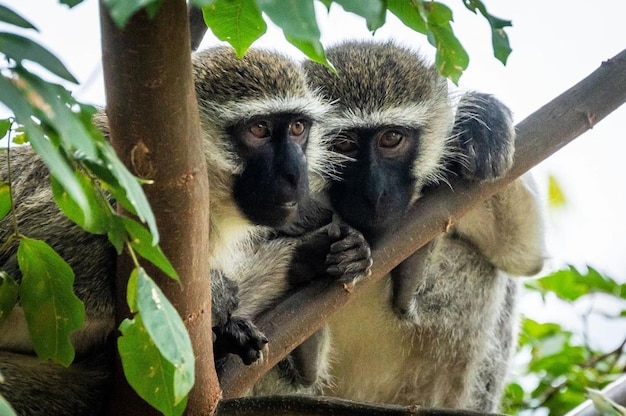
<point>297,128</point>
<point>260,130</point>
<point>390,139</point>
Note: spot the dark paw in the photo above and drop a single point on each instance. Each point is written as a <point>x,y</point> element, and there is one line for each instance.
<point>485,137</point>
<point>349,257</point>
<point>239,336</point>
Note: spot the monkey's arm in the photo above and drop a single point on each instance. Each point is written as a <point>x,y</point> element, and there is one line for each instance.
<point>507,228</point>
<point>283,263</point>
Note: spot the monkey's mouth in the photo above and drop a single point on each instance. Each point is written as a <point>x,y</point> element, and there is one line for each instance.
<point>287,205</point>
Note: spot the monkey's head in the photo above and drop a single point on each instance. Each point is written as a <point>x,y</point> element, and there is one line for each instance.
<point>392,118</point>
<point>258,119</point>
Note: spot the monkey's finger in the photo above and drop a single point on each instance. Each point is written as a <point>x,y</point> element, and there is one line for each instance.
<point>342,270</point>
<point>356,253</point>
<point>334,228</point>
<point>349,241</point>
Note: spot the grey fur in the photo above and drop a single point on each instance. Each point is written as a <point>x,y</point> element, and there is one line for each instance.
<point>229,90</point>
<point>451,348</point>
<point>447,342</point>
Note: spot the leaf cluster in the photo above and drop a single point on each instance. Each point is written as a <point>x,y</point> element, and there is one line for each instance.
<point>88,181</point>
<point>241,22</point>
<point>563,365</point>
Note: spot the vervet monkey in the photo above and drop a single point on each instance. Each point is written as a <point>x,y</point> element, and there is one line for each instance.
<point>258,123</point>
<point>447,342</point>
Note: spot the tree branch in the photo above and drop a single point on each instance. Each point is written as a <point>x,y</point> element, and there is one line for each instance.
<point>197,27</point>
<point>538,136</point>
<point>326,406</point>
<point>155,130</point>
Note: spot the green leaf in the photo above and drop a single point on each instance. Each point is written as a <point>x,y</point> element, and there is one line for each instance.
<point>117,233</point>
<point>569,284</point>
<point>14,91</point>
<point>9,290</point>
<point>451,58</point>
<point>408,14</point>
<point>238,22</point>
<point>20,49</point>
<point>122,10</point>
<point>71,3</point>
<point>167,331</point>
<point>499,38</point>
<point>560,363</point>
<point>149,374</point>
<point>131,291</point>
<point>5,199</point>
<point>533,332</point>
<point>297,20</point>
<point>5,126</point>
<point>313,49</point>
<point>51,308</point>
<point>501,46</point>
<point>73,129</point>
<point>5,407</point>
<point>513,394</point>
<point>326,3</point>
<point>372,10</point>
<point>141,242</point>
<point>201,3</point>
<point>556,197</point>
<point>20,138</point>
<point>9,16</point>
<point>97,220</point>
<point>133,198</point>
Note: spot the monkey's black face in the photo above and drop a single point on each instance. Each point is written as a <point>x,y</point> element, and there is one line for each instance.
<point>376,187</point>
<point>274,180</point>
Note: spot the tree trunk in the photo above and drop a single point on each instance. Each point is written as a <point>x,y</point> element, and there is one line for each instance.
<point>153,117</point>
<point>538,136</point>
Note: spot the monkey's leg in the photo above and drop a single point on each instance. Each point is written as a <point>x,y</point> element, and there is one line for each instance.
<point>303,366</point>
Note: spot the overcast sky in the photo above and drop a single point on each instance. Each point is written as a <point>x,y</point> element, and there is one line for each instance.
<point>555,44</point>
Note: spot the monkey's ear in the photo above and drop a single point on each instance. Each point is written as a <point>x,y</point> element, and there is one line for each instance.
<point>484,137</point>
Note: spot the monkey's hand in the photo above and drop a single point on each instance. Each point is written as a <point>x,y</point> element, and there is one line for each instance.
<point>336,250</point>
<point>239,336</point>
<point>485,137</point>
<point>232,334</point>
<point>349,257</point>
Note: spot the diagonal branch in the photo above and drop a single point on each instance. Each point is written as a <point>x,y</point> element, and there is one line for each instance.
<point>538,136</point>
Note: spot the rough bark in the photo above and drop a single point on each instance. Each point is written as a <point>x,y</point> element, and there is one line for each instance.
<point>538,136</point>
<point>326,406</point>
<point>154,124</point>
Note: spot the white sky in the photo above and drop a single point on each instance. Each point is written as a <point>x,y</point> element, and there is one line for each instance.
<point>555,44</point>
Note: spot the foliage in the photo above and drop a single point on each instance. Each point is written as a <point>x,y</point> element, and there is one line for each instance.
<point>85,171</point>
<point>563,364</point>
<point>240,22</point>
